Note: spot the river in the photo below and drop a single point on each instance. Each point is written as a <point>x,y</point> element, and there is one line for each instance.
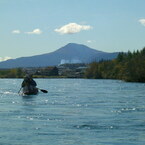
<point>73,112</point>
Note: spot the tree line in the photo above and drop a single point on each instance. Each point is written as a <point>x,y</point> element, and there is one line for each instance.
<point>12,73</point>
<point>128,66</point>
<point>21,72</point>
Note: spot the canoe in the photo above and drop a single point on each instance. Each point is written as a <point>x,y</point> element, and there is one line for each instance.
<point>30,90</point>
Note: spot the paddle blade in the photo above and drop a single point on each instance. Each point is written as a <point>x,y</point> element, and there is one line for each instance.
<point>44,91</point>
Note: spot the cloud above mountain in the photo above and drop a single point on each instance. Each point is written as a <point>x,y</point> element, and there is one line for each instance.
<point>4,58</point>
<point>72,28</point>
<point>16,31</point>
<point>142,21</point>
<point>35,31</point>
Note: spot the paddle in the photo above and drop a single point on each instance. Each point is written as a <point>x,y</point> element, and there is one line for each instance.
<point>44,91</point>
<point>19,90</point>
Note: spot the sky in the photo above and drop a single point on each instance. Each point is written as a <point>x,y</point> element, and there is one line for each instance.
<point>33,27</point>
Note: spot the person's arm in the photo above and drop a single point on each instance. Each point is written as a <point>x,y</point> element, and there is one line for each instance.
<point>33,83</point>
<point>23,84</point>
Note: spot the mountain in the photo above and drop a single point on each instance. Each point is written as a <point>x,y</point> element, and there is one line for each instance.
<point>70,53</point>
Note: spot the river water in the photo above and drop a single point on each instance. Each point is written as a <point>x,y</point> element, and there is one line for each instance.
<point>73,112</point>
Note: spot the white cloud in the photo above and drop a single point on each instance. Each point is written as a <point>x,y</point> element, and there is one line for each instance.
<point>89,41</point>
<point>142,21</point>
<point>5,58</point>
<point>16,32</point>
<point>35,31</point>
<point>72,28</point>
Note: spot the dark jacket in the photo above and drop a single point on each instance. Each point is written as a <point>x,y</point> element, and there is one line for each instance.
<point>28,82</point>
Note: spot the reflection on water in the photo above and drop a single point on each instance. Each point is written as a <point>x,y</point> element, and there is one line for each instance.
<point>73,112</point>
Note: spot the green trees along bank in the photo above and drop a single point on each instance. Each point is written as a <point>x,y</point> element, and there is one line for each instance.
<point>127,66</point>
<point>21,72</point>
<point>12,73</point>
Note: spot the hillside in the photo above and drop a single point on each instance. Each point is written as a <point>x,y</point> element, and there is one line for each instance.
<point>70,53</point>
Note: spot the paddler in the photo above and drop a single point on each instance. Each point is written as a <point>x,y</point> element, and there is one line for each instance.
<point>28,84</point>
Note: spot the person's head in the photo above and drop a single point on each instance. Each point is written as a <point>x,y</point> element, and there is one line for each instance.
<point>28,77</point>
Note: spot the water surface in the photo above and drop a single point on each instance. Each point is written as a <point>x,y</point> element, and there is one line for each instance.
<point>73,112</point>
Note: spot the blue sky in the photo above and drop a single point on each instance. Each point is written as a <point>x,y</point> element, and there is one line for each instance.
<point>32,27</point>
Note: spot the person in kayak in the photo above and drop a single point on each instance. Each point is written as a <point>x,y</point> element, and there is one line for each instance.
<point>29,85</point>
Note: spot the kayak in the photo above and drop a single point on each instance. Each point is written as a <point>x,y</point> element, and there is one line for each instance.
<point>30,90</point>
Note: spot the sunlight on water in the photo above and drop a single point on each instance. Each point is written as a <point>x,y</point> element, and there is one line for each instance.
<point>73,112</point>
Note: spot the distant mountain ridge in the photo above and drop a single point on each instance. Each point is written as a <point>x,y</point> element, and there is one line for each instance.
<point>70,53</point>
